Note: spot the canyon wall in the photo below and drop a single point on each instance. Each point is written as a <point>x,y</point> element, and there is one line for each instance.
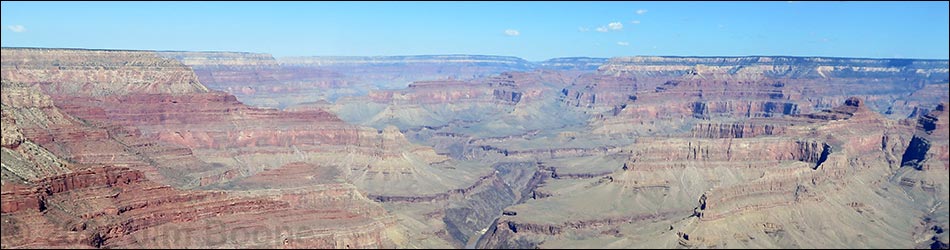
<point>105,148</point>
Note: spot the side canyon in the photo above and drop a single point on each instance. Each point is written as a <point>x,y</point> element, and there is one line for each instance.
<point>178,149</point>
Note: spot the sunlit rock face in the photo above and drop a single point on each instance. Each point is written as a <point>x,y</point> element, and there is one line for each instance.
<point>107,148</point>
<point>98,72</point>
<point>110,149</point>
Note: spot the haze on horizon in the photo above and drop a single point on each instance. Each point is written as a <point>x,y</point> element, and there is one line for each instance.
<point>531,30</point>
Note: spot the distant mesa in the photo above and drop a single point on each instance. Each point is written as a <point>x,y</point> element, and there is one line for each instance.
<point>122,149</point>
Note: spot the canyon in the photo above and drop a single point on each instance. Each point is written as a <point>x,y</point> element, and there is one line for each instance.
<point>143,149</point>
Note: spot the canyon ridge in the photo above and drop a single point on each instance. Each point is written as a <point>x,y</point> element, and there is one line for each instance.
<point>195,149</point>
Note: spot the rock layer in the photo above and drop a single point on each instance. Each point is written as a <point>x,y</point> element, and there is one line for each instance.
<point>128,149</point>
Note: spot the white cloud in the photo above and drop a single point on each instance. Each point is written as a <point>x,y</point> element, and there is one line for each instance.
<point>615,26</point>
<point>635,22</point>
<point>17,28</point>
<point>583,29</point>
<point>512,32</point>
<point>602,29</point>
<point>641,11</point>
<point>623,43</point>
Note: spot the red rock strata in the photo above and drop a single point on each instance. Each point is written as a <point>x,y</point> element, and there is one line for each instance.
<point>99,144</point>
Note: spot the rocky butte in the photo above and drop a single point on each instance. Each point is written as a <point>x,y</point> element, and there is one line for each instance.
<point>156,149</point>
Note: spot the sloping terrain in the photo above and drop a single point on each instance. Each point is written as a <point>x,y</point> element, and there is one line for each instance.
<point>94,166</point>
<point>107,148</point>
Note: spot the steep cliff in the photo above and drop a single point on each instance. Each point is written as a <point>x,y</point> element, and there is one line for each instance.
<point>779,67</point>
<point>108,164</point>
<point>259,80</point>
<point>928,149</point>
<point>735,185</point>
<point>129,149</point>
<point>778,84</point>
<point>98,72</point>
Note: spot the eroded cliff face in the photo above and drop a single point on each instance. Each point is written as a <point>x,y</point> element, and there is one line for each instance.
<point>648,152</point>
<point>98,72</point>
<point>924,167</point>
<point>928,150</point>
<point>774,84</point>
<point>260,80</point>
<point>304,170</point>
<point>518,97</point>
<point>24,160</point>
<point>720,186</point>
<point>778,67</point>
<point>234,72</point>
<point>733,146</point>
<point>717,145</point>
<point>108,206</point>
<point>110,163</point>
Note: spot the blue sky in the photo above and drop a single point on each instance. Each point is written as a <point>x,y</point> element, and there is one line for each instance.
<point>531,30</point>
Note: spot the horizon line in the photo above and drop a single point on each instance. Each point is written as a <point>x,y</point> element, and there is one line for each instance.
<point>459,54</point>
